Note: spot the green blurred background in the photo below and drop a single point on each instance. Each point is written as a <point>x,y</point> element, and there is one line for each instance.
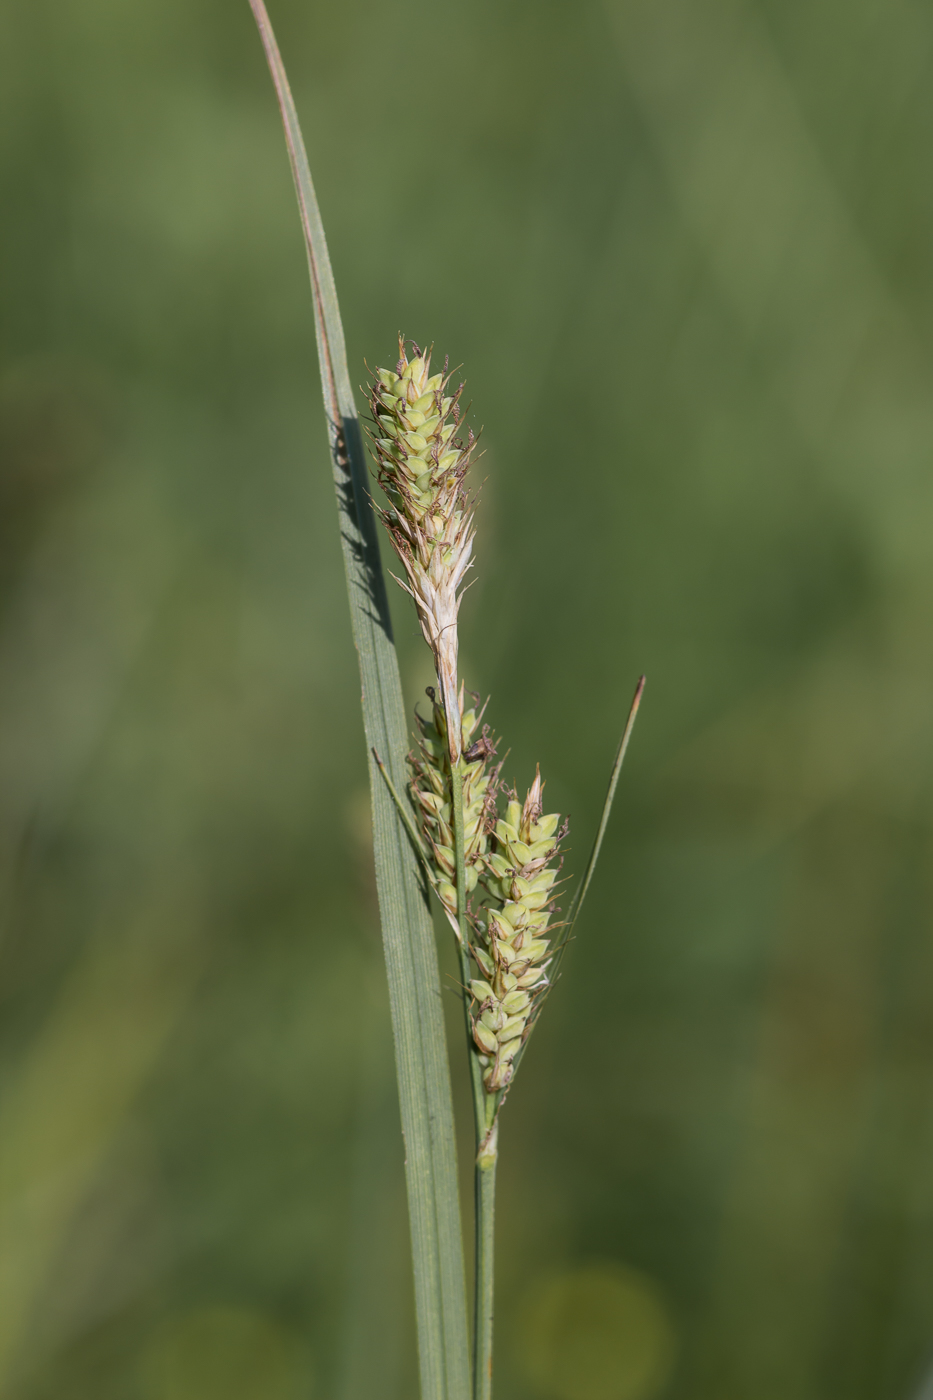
<point>684,251</point>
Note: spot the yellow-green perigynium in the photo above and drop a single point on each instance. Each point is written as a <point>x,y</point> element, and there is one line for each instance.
<point>513,950</point>
<point>421,464</point>
<point>431,789</point>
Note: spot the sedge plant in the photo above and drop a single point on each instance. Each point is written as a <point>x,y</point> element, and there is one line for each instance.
<point>443,818</point>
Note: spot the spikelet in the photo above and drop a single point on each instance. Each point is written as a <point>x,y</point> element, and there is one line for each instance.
<point>421,464</point>
<point>513,950</point>
<point>431,789</point>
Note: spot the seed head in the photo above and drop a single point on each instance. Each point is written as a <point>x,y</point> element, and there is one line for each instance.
<point>512,949</point>
<point>421,465</point>
<point>431,789</point>
<point>511,862</point>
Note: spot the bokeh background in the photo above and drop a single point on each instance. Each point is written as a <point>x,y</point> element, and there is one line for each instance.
<point>684,251</point>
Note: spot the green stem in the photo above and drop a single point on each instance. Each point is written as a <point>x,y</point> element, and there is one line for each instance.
<point>476,1069</point>
<point>484,1106</point>
<point>484,1287</point>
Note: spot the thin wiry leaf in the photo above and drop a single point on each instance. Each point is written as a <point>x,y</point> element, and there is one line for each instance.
<point>407,930</point>
<point>576,903</point>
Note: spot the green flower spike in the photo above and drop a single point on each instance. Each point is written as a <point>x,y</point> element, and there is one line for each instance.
<point>431,790</point>
<point>512,950</point>
<point>421,464</point>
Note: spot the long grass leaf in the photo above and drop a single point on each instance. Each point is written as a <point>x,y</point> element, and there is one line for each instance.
<point>408,936</point>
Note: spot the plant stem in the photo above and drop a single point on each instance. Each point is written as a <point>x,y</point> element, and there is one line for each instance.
<point>484,1284</point>
<point>476,1069</point>
<point>484,1106</point>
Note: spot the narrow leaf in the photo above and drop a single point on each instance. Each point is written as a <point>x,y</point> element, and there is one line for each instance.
<point>576,903</point>
<point>407,929</point>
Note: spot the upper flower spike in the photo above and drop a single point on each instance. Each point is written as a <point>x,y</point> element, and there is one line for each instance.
<point>421,465</point>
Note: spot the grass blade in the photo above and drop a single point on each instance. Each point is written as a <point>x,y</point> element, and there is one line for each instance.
<point>407,928</point>
<point>576,904</point>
